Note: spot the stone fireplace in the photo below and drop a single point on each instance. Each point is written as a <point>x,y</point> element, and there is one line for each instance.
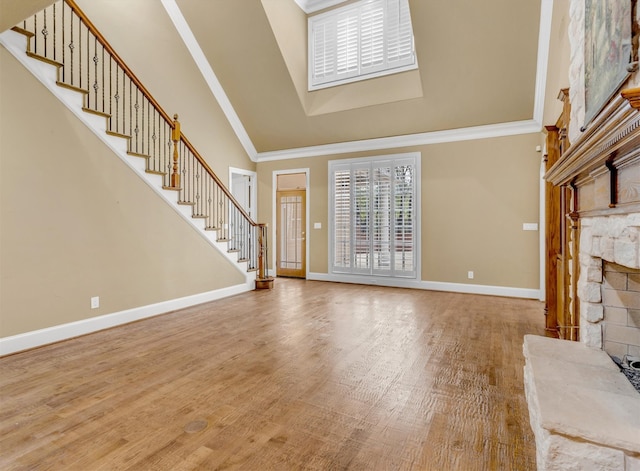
<point>584,412</point>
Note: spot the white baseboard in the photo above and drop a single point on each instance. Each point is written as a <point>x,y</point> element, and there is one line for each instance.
<point>38,338</point>
<point>506,291</point>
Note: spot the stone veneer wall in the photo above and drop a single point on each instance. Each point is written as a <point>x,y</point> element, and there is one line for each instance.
<point>614,239</point>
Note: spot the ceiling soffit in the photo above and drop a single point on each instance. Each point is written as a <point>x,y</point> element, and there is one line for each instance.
<point>459,93</point>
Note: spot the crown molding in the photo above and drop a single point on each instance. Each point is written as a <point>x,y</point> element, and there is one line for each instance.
<point>410,140</point>
<point>478,132</point>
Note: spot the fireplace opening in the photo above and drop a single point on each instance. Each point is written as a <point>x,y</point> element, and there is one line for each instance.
<point>621,303</point>
<point>621,319</point>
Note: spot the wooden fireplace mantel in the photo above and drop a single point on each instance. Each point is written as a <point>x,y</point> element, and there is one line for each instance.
<point>603,163</point>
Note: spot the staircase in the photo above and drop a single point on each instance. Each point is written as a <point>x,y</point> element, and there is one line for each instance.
<point>69,56</point>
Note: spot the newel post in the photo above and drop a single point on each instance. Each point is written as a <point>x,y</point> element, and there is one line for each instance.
<point>175,137</point>
<point>263,280</point>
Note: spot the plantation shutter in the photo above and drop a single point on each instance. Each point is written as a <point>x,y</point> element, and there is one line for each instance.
<point>324,40</point>
<point>372,37</point>
<point>360,39</point>
<point>342,219</point>
<point>374,217</point>
<point>399,34</point>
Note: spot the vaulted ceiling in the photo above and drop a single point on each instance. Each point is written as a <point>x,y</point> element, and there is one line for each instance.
<point>477,67</point>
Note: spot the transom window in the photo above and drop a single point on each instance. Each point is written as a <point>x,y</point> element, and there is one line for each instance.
<point>366,39</point>
<point>374,216</point>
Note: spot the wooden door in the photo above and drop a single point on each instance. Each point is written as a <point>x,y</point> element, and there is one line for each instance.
<point>290,233</point>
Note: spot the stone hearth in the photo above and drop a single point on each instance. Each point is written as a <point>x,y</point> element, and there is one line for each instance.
<point>584,412</point>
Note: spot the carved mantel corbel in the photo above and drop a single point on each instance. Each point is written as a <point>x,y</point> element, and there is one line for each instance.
<point>632,95</point>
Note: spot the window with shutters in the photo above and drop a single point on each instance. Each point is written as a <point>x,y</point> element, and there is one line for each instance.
<point>366,39</point>
<point>374,216</point>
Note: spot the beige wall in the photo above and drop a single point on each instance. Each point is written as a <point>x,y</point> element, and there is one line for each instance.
<point>76,222</point>
<point>475,197</point>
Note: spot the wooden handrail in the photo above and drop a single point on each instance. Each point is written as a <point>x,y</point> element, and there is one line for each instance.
<point>217,180</point>
<point>118,59</point>
<point>157,106</point>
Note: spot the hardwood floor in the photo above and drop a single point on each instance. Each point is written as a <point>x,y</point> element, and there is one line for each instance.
<point>309,376</point>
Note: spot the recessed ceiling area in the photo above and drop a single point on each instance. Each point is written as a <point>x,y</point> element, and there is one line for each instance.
<point>477,63</point>
<point>289,28</point>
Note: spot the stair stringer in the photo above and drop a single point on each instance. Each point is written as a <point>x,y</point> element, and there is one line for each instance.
<point>47,75</point>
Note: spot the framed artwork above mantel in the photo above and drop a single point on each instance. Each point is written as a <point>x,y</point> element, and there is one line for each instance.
<point>609,51</point>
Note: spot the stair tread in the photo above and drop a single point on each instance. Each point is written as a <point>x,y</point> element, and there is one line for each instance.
<point>44,59</point>
<point>117,134</point>
<point>23,31</point>
<point>172,188</point>
<point>99,113</point>
<point>156,172</point>
<point>71,87</point>
<point>137,154</point>
<point>187,203</point>
<point>199,216</point>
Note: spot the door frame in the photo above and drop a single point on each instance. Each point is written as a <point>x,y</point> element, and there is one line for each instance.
<point>274,208</point>
<point>254,189</point>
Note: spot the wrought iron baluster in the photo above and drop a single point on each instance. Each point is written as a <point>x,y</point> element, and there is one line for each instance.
<point>110,93</point>
<point>88,61</point>
<point>144,135</point>
<point>117,98</point>
<point>80,52</point>
<point>35,30</point>
<point>96,59</point>
<point>63,45</point>
<point>131,130</point>
<point>103,86</point>
<point>55,31</point>
<point>45,31</point>
<point>71,48</point>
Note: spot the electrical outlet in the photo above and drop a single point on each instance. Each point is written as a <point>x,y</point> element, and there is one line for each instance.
<point>95,302</point>
<point>470,275</point>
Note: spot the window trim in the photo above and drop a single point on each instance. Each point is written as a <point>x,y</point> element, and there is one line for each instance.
<point>373,274</point>
<point>380,70</point>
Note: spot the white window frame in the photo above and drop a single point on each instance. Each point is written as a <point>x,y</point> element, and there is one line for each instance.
<point>389,48</point>
<point>353,165</point>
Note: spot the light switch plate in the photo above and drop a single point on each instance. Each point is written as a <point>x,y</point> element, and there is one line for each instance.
<point>530,226</point>
<point>317,225</point>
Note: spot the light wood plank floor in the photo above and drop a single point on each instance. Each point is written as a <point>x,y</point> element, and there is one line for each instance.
<point>309,376</point>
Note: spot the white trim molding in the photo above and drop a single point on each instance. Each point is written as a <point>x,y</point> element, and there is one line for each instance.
<point>506,291</point>
<point>410,140</point>
<point>38,338</point>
